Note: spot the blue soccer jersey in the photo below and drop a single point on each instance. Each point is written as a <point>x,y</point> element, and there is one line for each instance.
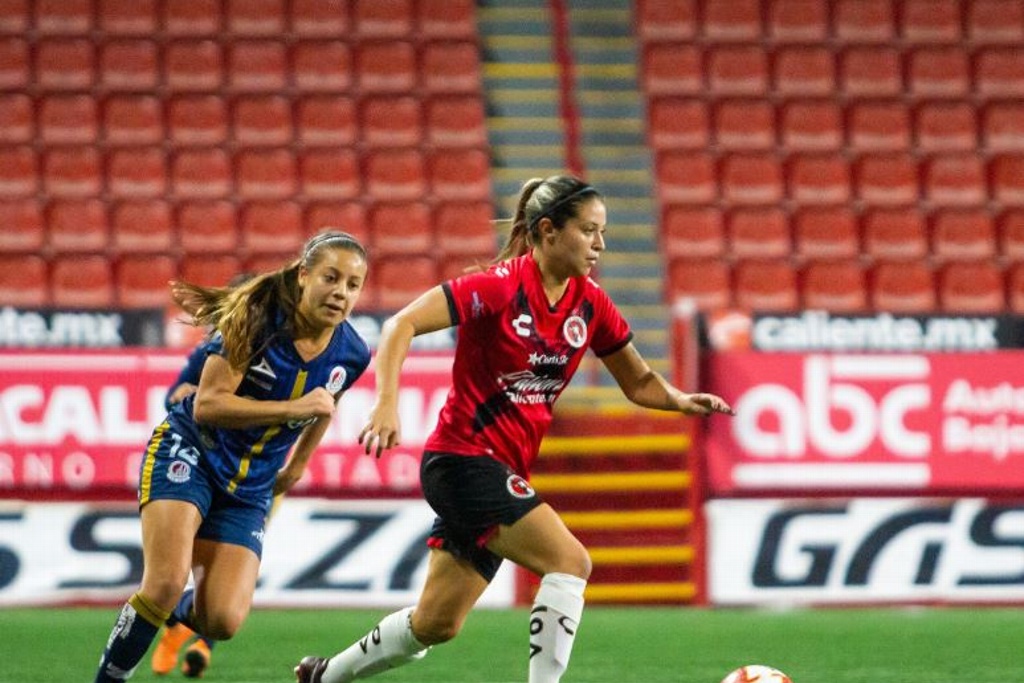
<point>244,462</point>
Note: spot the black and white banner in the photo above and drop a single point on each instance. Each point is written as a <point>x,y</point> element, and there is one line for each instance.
<point>864,550</point>
<point>317,552</point>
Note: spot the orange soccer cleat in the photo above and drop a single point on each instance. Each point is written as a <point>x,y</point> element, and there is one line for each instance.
<point>165,656</point>
<point>197,658</point>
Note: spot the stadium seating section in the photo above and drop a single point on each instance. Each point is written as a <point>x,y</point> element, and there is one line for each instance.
<point>852,155</point>
<point>147,140</point>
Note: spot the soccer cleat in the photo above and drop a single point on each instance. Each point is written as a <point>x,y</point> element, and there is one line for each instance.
<point>165,656</point>
<point>197,658</point>
<point>310,669</point>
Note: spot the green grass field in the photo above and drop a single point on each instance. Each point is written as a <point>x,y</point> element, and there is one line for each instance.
<point>614,645</point>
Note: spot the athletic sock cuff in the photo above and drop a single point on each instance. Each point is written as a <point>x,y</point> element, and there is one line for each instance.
<point>562,592</point>
<point>146,609</point>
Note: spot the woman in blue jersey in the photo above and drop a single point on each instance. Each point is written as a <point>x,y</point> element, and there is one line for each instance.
<point>524,326</point>
<point>282,355</point>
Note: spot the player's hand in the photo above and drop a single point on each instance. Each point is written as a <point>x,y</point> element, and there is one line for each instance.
<point>317,403</point>
<point>704,404</point>
<point>181,392</point>
<point>382,430</point>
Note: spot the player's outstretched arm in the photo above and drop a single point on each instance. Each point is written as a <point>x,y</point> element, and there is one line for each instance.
<point>647,388</point>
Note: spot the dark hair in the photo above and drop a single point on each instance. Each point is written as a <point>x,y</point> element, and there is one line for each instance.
<point>556,197</point>
<point>243,313</point>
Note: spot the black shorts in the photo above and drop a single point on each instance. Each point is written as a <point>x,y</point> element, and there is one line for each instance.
<point>472,495</point>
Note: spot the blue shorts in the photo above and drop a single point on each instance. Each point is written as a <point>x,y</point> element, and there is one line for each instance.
<point>172,469</point>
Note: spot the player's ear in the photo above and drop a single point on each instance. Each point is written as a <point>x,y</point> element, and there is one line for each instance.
<point>547,229</point>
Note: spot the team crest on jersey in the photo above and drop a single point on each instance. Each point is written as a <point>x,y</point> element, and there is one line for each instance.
<point>519,487</point>
<point>337,379</point>
<point>179,471</point>
<point>575,331</point>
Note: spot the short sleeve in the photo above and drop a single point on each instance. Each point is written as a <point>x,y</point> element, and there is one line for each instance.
<point>478,295</point>
<point>611,331</point>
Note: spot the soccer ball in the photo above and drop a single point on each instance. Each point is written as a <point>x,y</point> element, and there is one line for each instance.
<point>756,673</point>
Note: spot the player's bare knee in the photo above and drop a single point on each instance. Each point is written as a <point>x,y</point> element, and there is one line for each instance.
<point>223,625</point>
<point>577,563</point>
<point>163,590</point>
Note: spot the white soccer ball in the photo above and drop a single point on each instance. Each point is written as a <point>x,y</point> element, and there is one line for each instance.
<point>757,673</point>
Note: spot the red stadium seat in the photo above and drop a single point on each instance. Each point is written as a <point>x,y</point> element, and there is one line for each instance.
<point>262,120</point>
<point>401,229</point>
<point>457,265</point>
<point>446,19</point>
<point>265,174</point>
<point>144,281</point>
<point>78,225</point>
<point>864,21</point>
<point>322,66</point>
<point>64,64</point>
<point>811,126</point>
<point>133,120</point>
<point>999,72</point>
<point>955,180</point>
<point>456,121</point>
<point>16,118</point>
<point>1015,289</point>
<point>399,280</point>
<point>995,21</point>
<point>798,21</point>
<point>465,228</point>
<point>870,72</point>
<point>886,180</point>
<point>804,71</point>
<point>15,17</point>
<point>759,233</point>
<point>272,227</point>
<point>68,120</point>
<point>677,123</point>
<point>895,235</point>
<point>348,217</point>
<point>330,174</point>
<point>19,174</point>
<point>128,17</point>
<point>320,18</point>
<point>703,281</point>
<point>143,226</point>
<point>668,20</point>
<point>382,18</point>
<point>830,233</point>
<point>82,282</point>
<point>938,72</point>
<point>24,281</point>
<point>209,271</point>
<point>818,179</point>
<point>65,17</point>
<point>1011,235</point>
<point>129,65</point>
<point>692,232</point>
<point>1002,127</point>
<point>744,125</point>
<point>903,287</point>
<point>946,127</point>
<point>395,174</point>
<point>451,67</point>
<point>138,172</point>
<point>258,66</point>
<point>191,66</point>
<point>15,69</point>
<point>201,173</point>
<point>256,17</point>
<point>207,227</point>
<point>751,179</point>
<point>962,235</point>
<point>736,20</point>
<point>72,172</point>
<point>972,287</point>
<point>686,177</point>
<point>326,120</point>
<point>1007,174</point>
<point>931,21</point>
<point>193,17</point>
<point>197,120</point>
<point>386,67</point>
<point>737,71</point>
<point>766,285</point>
<point>460,174</point>
<point>672,69</point>
<point>391,121</point>
<point>23,226</point>
<point>879,127</point>
<point>839,286</point>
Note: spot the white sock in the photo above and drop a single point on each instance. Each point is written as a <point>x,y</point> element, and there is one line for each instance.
<point>553,622</point>
<point>389,645</point>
